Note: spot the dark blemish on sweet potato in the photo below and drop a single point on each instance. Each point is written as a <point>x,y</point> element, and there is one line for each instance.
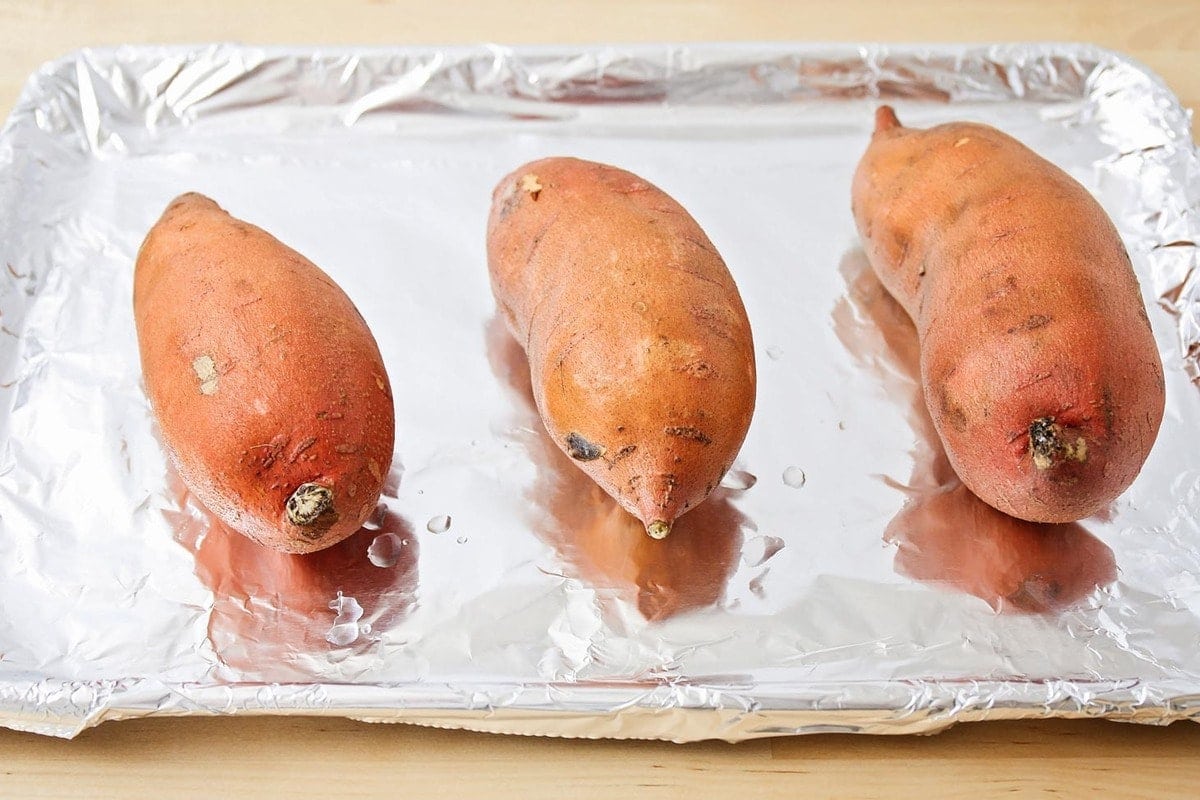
<point>901,242</point>
<point>622,454</point>
<point>1034,322</point>
<point>1009,232</point>
<point>1006,288</point>
<point>687,432</point>
<point>300,448</point>
<point>959,209</point>
<point>1106,406</point>
<point>705,246</point>
<point>581,449</point>
<point>509,202</point>
<point>672,481</point>
<point>536,240</point>
<point>713,321</point>
<point>952,411</point>
<point>697,369</point>
<point>1041,376</point>
<point>273,450</point>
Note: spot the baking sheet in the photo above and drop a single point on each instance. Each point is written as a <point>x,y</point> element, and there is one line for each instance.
<point>836,581</point>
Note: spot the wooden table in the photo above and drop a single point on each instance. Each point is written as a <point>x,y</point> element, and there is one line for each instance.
<point>331,758</point>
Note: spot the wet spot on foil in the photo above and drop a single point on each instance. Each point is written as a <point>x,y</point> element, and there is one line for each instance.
<point>345,628</point>
<point>794,477</point>
<point>760,549</point>
<point>385,550</point>
<point>756,583</point>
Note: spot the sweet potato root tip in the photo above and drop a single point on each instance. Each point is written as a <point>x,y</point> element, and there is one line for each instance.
<point>1050,444</point>
<point>658,529</point>
<point>885,119</point>
<point>308,503</point>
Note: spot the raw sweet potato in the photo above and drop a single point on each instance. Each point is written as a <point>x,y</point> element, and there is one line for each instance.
<point>638,344</point>
<point>267,385</point>
<point>1037,361</point>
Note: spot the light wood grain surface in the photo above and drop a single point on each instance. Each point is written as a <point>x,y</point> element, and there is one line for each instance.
<point>330,758</point>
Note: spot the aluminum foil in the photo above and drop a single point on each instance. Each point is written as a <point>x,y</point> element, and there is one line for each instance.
<point>839,579</point>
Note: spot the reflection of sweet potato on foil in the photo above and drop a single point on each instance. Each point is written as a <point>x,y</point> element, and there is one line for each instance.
<point>267,603</point>
<point>610,550</point>
<point>952,537</point>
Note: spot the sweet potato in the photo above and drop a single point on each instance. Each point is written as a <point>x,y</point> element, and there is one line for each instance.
<point>1037,360</point>
<point>638,344</point>
<point>268,387</point>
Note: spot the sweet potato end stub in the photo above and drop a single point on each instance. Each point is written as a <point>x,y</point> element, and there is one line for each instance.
<point>268,387</point>
<point>640,352</point>
<point>1038,364</point>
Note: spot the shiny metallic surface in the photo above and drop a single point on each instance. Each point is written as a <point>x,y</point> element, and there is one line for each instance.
<point>839,580</point>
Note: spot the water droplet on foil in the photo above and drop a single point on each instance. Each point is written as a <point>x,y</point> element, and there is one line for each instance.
<point>385,550</point>
<point>345,624</point>
<point>794,477</point>
<point>462,540</point>
<point>760,549</point>
<point>775,352</point>
<point>756,584</point>
<point>439,524</point>
<point>375,521</point>
<point>739,480</point>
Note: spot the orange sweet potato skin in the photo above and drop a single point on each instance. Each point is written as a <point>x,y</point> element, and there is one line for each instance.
<point>1037,360</point>
<point>263,378</point>
<point>639,348</point>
